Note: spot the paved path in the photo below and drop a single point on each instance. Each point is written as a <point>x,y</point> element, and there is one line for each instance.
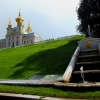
<point>28,82</point>
<point>41,83</point>
<point>30,97</point>
<point>50,83</point>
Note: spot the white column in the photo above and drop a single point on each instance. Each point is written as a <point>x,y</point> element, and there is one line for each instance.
<point>20,40</point>
<point>30,40</point>
<point>26,41</point>
<point>33,40</point>
<point>6,42</point>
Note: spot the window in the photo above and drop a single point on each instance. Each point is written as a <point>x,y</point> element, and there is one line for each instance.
<point>27,41</point>
<point>9,44</point>
<point>2,46</point>
<point>31,40</point>
<point>13,44</point>
<point>17,43</point>
<point>24,42</point>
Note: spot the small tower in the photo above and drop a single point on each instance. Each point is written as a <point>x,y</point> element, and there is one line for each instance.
<point>29,28</point>
<point>9,28</point>
<point>9,25</point>
<point>19,20</point>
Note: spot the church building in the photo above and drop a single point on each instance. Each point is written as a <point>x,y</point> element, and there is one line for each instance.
<point>19,35</point>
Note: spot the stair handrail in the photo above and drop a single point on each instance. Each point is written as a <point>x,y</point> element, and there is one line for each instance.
<point>68,72</point>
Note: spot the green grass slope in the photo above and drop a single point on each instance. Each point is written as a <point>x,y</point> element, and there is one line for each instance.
<point>44,58</point>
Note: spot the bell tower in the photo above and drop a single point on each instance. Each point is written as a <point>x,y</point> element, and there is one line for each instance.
<point>20,26</point>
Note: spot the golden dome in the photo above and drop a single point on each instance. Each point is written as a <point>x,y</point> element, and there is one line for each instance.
<point>9,25</point>
<point>19,19</point>
<point>29,28</point>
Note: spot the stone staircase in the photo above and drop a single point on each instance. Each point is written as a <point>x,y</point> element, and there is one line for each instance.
<point>90,61</point>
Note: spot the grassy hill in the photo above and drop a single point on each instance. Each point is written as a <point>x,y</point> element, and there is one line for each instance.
<point>45,58</point>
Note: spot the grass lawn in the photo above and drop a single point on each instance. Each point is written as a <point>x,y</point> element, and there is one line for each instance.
<point>52,92</point>
<point>45,58</point>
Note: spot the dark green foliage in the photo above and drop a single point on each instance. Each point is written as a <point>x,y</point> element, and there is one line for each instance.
<point>89,14</point>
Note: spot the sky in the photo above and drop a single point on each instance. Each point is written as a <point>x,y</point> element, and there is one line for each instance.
<point>48,18</point>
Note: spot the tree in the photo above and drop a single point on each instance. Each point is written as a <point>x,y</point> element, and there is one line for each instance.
<point>89,14</point>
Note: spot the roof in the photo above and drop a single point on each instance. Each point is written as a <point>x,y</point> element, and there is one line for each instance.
<point>2,40</point>
<point>28,35</point>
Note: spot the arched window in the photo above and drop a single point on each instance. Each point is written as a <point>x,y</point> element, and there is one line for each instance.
<point>27,41</point>
<point>31,40</point>
<point>24,42</point>
<point>13,44</point>
<point>17,43</point>
<point>9,44</point>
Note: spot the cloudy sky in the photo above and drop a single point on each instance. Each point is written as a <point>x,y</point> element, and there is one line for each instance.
<point>48,18</point>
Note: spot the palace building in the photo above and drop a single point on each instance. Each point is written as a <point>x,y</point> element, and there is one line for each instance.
<point>19,35</point>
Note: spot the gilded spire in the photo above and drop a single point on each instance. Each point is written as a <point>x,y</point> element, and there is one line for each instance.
<point>29,28</point>
<point>19,13</point>
<point>9,25</point>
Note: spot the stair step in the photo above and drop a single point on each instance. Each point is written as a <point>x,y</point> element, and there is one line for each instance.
<point>96,55</point>
<point>94,62</point>
<point>90,53</point>
<point>87,71</point>
<point>90,60</point>
<point>89,50</point>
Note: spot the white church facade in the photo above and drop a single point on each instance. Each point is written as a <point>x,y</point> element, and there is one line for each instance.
<point>19,35</point>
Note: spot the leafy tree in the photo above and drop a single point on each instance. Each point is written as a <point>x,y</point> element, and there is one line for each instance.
<point>89,14</point>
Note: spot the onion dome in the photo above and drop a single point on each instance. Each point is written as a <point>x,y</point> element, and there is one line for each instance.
<point>19,19</point>
<point>29,28</point>
<point>9,25</point>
